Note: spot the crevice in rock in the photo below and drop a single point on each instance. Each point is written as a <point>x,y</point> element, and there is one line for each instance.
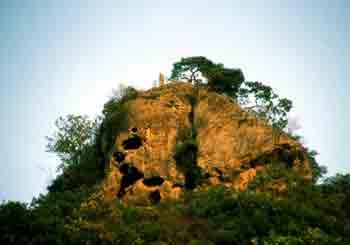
<point>132,143</point>
<point>119,156</point>
<point>218,171</point>
<point>153,181</point>
<point>130,175</point>
<point>177,185</point>
<point>155,197</point>
<point>186,150</point>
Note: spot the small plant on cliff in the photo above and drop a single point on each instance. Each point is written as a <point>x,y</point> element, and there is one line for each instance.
<point>185,155</point>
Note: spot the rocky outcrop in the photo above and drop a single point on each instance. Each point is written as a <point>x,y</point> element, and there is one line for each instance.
<point>232,144</point>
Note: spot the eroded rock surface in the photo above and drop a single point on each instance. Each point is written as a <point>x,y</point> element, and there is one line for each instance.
<point>232,144</point>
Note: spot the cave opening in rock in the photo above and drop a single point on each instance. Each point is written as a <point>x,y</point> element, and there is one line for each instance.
<point>119,156</point>
<point>155,197</point>
<point>132,143</point>
<point>153,181</point>
<point>130,175</point>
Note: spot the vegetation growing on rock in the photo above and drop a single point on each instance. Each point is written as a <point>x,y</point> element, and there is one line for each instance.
<point>124,178</point>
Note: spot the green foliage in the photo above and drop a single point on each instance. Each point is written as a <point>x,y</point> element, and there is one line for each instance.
<point>273,174</point>
<point>115,117</point>
<point>340,183</point>
<point>263,102</point>
<point>309,214</point>
<point>190,68</point>
<point>338,187</point>
<point>185,155</point>
<point>304,213</point>
<point>74,134</point>
<point>219,78</point>
<point>224,80</point>
<point>15,223</point>
<point>87,173</point>
<point>303,217</point>
<point>317,170</point>
<point>75,144</point>
<point>255,96</point>
<point>52,212</point>
<point>43,222</point>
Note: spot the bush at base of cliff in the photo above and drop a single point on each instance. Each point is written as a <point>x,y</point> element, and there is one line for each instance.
<point>307,215</point>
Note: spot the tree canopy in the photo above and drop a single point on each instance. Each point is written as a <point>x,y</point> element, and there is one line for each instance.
<point>73,135</point>
<point>219,78</point>
<point>265,103</point>
<point>254,96</point>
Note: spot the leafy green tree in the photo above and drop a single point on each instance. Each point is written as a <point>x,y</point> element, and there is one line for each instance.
<point>74,134</point>
<point>191,68</point>
<point>224,80</point>
<point>338,186</point>
<point>196,69</point>
<point>15,223</point>
<point>318,171</point>
<point>255,96</point>
<point>265,103</point>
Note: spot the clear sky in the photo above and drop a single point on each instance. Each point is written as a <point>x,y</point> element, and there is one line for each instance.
<point>59,57</point>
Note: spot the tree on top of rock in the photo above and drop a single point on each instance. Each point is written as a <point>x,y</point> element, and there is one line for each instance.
<point>219,78</point>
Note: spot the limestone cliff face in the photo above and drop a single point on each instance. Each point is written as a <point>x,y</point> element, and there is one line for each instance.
<point>232,144</point>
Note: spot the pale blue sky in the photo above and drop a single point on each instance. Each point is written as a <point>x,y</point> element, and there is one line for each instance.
<point>60,57</point>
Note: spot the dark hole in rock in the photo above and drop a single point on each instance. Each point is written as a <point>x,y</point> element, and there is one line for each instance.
<point>178,185</point>
<point>119,156</point>
<point>132,143</point>
<point>131,175</point>
<point>155,197</point>
<point>124,168</point>
<point>134,130</point>
<point>153,181</point>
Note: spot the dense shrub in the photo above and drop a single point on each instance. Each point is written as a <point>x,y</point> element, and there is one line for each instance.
<point>241,218</point>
